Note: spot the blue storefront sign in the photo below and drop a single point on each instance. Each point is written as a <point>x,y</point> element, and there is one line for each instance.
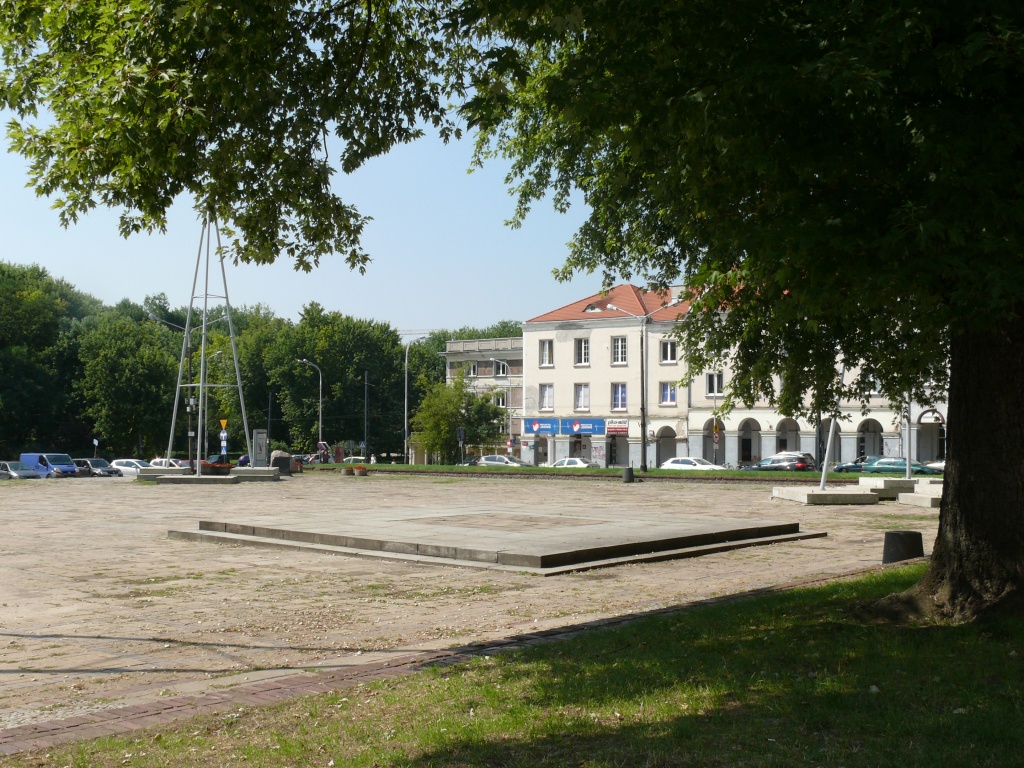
<point>540,426</point>
<point>581,427</point>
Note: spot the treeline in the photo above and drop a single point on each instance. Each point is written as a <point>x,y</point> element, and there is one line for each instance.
<point>73,369</point>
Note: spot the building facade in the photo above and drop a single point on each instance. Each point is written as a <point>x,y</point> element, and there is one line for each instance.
<point>601,379</point>
<point>493,366</point>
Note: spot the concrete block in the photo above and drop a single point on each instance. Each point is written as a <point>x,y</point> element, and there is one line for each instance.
<point>902,545</point>
<point>920,500</point>
<point>805,495</point>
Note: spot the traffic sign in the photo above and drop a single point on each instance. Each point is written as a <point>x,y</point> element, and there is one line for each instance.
<point>716,437</point>
<point>223,423</point>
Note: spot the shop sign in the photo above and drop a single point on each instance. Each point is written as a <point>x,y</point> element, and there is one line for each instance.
<point>618,426</point>
<point>582,427</point>
<point>540,426</point>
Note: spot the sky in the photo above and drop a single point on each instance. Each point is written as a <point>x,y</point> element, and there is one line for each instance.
<point>442,254</point>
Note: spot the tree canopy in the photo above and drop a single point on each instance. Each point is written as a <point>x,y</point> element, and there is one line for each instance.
<point>133,104</point>
<point>829,181</point>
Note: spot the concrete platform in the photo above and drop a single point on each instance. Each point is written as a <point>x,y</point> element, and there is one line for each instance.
<point>920,500</point>
<point>888,488</point>
<point>193,480</point>
<point>541,543</point>
<point>808,495</point>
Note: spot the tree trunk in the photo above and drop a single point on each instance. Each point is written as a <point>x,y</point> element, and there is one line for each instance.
<point>978,559</point>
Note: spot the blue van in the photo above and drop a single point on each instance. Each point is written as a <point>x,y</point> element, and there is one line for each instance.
<point>51,464</point>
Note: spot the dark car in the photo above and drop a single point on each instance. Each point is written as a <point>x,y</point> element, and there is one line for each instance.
<point>857,464</point>
<point>17,470</point>
<point>96,468</point>
<point>782,464</point>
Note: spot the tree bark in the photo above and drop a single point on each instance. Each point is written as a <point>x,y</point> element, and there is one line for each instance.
<point>978,559</point>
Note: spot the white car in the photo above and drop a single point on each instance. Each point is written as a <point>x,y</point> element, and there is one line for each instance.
<point>688,462</point>
<point>499,460</point>
<point>164,463</point>
<point>129,467</point>
<point>575,464</point>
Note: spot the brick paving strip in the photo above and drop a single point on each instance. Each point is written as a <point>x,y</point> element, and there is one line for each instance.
<point>122,720</point>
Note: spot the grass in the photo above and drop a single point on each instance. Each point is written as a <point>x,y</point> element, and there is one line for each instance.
<point>791,679</point>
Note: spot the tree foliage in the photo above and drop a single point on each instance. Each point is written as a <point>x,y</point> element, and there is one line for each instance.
<point>828,180</point>
<point>842,178</point>
<point>131,104</point>
<point>448,407</point>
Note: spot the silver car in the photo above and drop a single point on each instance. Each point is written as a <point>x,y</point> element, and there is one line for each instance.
<point>17,470</point>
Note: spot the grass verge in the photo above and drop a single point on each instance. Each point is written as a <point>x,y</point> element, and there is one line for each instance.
<point>800,678</point>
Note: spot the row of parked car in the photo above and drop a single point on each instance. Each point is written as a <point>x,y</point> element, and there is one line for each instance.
<point>32,466</point>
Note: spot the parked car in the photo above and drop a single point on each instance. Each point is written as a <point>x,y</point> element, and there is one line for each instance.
<point>811,461</point>
<point>857,464</point>
<point>689,462</point>
<point>469,461</point>
<point>500,460</point>
<point>18,470</point>
<point>51,464</point>
<point>783,463</point>
<point>354,460</point>
<point>575,463</point>
<point>96,468</point>
<point>165,463</point>
<point>897,465</point>
<point>129,467</point>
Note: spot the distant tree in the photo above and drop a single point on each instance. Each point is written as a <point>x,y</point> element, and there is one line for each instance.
<point>446,408</point>
<point>39,323</point>
<point>127,385</point>
<point>346,349</point>
<point>503,329</point>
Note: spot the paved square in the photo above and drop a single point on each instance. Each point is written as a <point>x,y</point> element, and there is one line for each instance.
<point>100,609</point>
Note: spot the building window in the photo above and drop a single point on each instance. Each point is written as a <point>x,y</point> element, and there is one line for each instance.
<point>668,393</point>
<point>547,397</point>
<point>500,368</point>
<point>581,399</point>
<point>499,399</point>
<point>618,397</point>
<point>547,352</point>
<point>716,384</point>
<point>668,351</point>
<point>471,369</point>
<point>618,350</point>
<point>582,351</point>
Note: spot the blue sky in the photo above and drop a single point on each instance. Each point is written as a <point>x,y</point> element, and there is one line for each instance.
<point>442,255</point>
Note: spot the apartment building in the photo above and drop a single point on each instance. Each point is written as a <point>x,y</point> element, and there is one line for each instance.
<point>601,380</point>
<point>494,366</point>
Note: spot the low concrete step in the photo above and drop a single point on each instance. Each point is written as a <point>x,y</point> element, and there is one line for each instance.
<point>920,500</point>
<point>805,495</point>
<point>223,537</point>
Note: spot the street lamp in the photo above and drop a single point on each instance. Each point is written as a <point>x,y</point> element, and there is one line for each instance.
<point>405,422</point>
<point>320,439</point>
<point>643,368</point>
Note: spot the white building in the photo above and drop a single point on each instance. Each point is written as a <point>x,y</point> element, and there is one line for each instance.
<point>493,366</point>
<point>582,370</point>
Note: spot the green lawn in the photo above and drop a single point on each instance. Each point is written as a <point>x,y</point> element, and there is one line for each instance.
<point>791,679</point>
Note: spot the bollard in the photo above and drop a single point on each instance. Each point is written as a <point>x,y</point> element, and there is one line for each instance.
<point>627,474</point>
<point>902,545</point>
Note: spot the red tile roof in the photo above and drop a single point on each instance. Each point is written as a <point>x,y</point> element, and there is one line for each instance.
<point>626,297</point>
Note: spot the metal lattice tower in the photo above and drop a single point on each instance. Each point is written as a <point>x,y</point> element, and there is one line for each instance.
<point>202,387</point>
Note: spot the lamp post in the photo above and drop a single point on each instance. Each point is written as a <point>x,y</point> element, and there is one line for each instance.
<point>405,421</point>
<point>320,419</point>
<point>643,369</point>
